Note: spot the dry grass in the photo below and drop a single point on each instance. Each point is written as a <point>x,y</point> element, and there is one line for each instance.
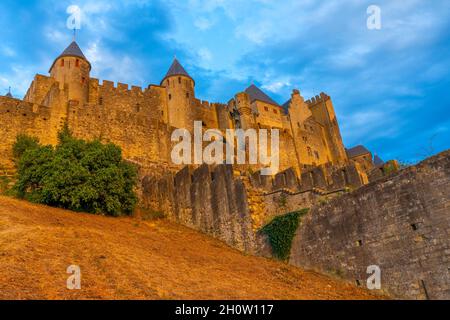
<point>130,259</point>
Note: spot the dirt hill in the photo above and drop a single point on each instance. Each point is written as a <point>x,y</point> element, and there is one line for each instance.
<point>133,259</point>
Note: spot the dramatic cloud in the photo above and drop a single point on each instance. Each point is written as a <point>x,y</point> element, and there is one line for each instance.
<point>389,86</point>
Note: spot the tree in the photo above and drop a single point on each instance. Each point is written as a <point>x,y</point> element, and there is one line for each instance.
<point>76,175</point>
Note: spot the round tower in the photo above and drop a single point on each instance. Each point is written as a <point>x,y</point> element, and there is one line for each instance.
<point>71,69</point>
<point>243,105</point>
<point>180,94</point>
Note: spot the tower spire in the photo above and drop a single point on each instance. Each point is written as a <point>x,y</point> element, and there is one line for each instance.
<point>9,95</point>
<point>74,34</point>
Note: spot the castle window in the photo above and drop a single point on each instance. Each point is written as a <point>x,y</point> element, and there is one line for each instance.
<point>83,80</point>
<point>170,97</point>
<point>100,101</point>
<point>62,63</point>
<point>179,80</point>
<point>266,108</point>
<point>187,95</point>
<point>305,139</point>
<point>275,111</point>
<point>77,63</point>
<point>168,82</point>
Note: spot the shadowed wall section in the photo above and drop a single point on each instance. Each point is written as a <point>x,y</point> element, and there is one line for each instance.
<point>400,223</point>
<point>208,199</point>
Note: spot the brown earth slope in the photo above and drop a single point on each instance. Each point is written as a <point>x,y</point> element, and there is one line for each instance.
<point>132,259</point>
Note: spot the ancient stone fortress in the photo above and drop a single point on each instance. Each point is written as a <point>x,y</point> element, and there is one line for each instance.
<point>141,120</point>
<point>232,202</point>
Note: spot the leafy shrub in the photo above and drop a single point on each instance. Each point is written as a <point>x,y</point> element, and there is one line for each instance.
<point>75,175</point>
<point>23,143</point>
<point>281,231</point>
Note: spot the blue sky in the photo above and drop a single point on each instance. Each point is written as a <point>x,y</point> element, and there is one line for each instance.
<point>390,87</point>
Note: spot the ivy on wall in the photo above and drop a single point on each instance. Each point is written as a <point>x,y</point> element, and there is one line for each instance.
<point>281,231</point>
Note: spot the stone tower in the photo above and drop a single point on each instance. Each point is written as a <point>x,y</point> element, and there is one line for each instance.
<point>181,93</point>
<point>71,69</point>
<point>243,105</point>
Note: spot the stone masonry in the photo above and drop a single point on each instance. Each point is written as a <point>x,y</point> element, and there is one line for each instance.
<point>399,223</point>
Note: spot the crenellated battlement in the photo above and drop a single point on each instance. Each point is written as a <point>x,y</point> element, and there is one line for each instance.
<point>323,97</point>
<point>141,121</point>
<point>325,178</point>
<point>116,88</point>
<point>19,108</point>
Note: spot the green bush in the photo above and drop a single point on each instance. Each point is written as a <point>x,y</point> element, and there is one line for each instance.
<point>23,143</point>
<point>281,231</point>
<point>75,175</point>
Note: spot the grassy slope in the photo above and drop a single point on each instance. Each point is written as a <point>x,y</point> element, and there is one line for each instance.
<point>130,259</point>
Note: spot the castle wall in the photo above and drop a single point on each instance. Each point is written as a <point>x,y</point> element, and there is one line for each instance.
<point>206,112</point>
<point>399,223</point>
<point>365,161</point>
<point>323,112</point>
<point>208,199</point>
<point>268,115</point>
<point>233,205</point>
<point>311,144</point>
<point>224,119</point>
<point>131,119</point>
<point>19,117</point>
<point>38,89</point>
<point>288,152</point>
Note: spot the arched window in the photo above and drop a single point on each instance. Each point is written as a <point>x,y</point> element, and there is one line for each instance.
<point>179,80</point>
<point>77,63</point>
<point>62,63</point>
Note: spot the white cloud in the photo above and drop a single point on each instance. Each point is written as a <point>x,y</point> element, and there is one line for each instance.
<point>113,66</point>
<point>277,85</point>
<point>18,78</point>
